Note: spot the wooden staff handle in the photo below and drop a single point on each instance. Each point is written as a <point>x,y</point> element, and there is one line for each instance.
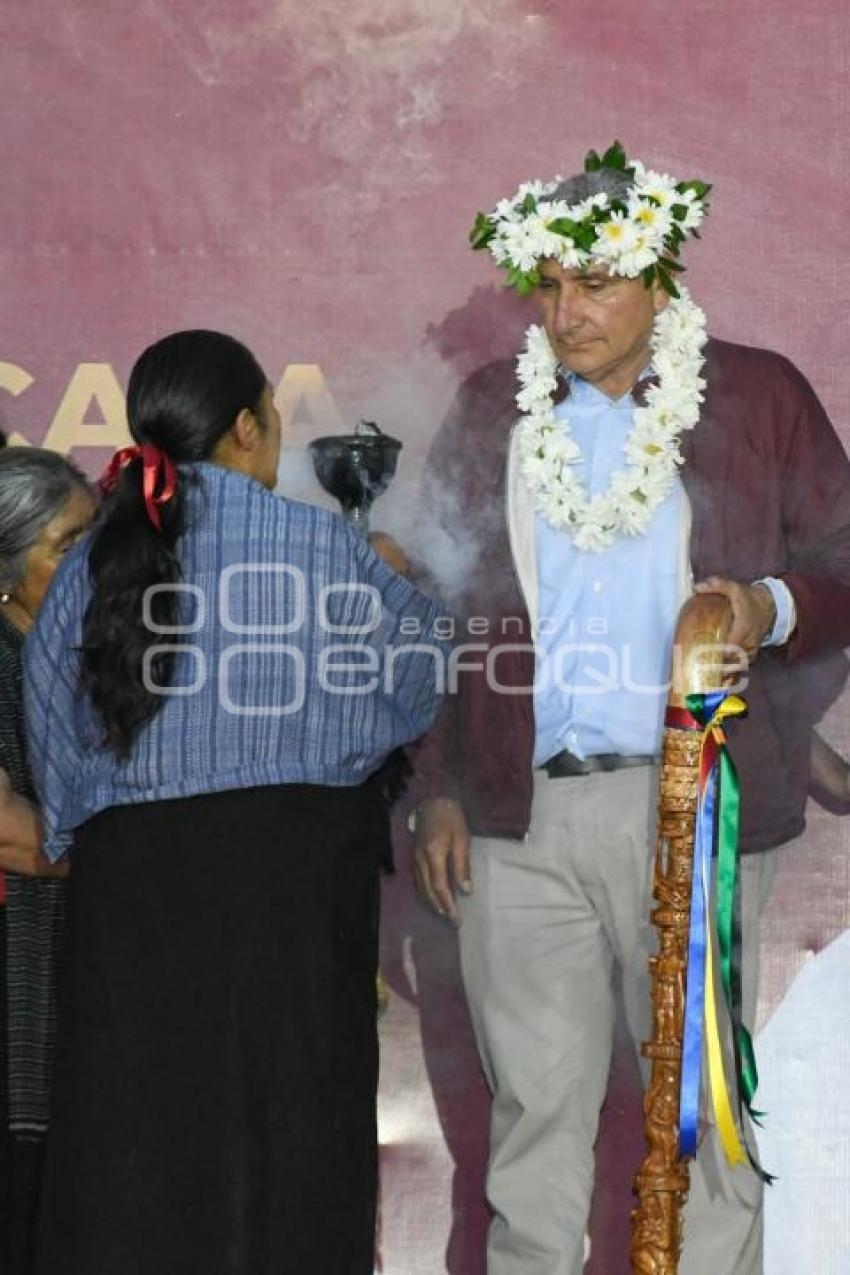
<point>662,1182</point>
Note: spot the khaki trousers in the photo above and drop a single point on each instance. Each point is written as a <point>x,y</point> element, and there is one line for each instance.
<point>551,921</point>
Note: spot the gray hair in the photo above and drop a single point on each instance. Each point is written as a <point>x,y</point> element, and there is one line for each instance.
<point>610,181</point>
<point>35,485</point>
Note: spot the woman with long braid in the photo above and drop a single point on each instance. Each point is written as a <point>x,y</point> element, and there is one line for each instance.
<point>205,714</point>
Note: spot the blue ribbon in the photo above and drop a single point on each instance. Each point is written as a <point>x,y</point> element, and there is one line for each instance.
<point>695,995</point>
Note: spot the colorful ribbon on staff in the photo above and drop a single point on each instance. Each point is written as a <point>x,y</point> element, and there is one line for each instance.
<point>718,813</point>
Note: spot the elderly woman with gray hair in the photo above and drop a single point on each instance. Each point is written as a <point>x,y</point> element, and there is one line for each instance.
<point>45,505</point>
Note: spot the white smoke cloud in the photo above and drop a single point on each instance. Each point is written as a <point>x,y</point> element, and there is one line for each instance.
<point>409,405</point>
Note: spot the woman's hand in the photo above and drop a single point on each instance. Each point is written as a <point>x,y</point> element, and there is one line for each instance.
<point>29,861</point>
<point>391,552</point>
<point>20,837</point>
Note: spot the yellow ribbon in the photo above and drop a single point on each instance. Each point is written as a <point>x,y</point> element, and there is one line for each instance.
<point>718,1083</point>
<point>733,706</point>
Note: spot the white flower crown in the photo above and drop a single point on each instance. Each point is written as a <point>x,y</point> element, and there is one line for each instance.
<point>638,235</point>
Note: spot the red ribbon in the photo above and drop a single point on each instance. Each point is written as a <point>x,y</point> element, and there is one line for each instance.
<point>158,470</point>
<point>681,719</point>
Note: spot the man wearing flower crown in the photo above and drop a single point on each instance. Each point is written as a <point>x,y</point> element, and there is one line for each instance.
<point>648,460</point>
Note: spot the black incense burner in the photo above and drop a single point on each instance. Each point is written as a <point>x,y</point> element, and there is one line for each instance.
<point>356,468</point>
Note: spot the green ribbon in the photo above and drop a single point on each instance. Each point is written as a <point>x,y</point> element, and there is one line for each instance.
<point>728,913</point>
<point>729,924</point>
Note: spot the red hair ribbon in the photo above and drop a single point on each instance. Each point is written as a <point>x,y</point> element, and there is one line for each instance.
<point>158,470</point>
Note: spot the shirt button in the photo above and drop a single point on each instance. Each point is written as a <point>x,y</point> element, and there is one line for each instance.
<point>597,586</point>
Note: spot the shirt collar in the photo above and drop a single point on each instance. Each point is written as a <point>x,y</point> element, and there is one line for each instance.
<point>570,383</point>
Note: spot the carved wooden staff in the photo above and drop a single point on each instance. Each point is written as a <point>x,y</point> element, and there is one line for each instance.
<point>662,1182</point>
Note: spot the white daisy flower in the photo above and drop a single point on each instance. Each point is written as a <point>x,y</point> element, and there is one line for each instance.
<point>593,536</point>
<point>553,209</point>
<point>650,447</point>
<point>650,185</point>
<point>571,257</point>
<point>653,222</point>
<point>657,483</point>
<point>634,261</point>
<point>565,450</point>
<point>506,210</point>
<point>499,250</point>
<point>555,509</point>
<point>522,246</point>
<point>694,216</point>
<point>616,236</point>
<point>578,212</point>
<point>538,189</point>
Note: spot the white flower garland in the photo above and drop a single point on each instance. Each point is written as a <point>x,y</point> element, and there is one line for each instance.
<point>639,234</point>
<point>627,240</point>
<point>548,453</point>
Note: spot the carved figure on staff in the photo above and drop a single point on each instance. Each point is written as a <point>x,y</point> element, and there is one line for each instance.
<point>669,990</point>
<point>653,1237</point>
<point>627,460</point>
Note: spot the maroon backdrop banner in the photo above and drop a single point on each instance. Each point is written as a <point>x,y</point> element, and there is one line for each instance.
<point>303,174</point>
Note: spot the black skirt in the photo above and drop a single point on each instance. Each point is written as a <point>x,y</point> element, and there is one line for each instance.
<point>217,1059</point>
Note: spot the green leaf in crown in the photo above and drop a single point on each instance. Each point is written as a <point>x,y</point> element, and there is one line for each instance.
<point>482,231</point>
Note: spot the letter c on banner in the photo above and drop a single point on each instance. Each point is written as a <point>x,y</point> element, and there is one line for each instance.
<point>14,380</point>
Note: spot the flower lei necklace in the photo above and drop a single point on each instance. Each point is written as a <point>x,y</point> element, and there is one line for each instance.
<point>548,453</point>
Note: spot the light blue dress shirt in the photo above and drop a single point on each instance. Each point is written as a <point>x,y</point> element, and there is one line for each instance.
<point>607,619</point>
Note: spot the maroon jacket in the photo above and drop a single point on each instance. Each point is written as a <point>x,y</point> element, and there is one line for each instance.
<point>769,486</point>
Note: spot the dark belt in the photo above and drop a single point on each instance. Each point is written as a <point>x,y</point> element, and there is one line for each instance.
<point>564,764</point>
